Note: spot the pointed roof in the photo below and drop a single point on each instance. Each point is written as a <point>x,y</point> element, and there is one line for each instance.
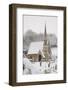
<point>45,34</point>
<point>35,47</point>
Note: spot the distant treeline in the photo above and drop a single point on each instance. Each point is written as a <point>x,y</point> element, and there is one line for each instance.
<point>31,36</point>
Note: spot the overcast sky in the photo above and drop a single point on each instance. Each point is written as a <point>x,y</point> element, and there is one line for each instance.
<point>37,24</point>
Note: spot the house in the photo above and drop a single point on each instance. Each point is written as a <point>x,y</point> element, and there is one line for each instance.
<point>40,50</point>
<point>35,49</point>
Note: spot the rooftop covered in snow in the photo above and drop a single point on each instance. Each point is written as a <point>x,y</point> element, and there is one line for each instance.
<point>35,47</point>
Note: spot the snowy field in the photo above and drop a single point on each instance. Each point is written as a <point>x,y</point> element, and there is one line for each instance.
<point>44,68</point>
<point>35,68</point>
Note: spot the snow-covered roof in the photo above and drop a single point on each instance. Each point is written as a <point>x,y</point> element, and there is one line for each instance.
<point>35,47</point>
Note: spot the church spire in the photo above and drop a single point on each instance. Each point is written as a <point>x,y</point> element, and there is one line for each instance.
<point>45,31</point>
<point>46,46</point>
<point>45,36</point>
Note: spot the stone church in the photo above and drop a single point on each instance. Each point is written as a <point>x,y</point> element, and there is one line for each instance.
<point>41,50</point>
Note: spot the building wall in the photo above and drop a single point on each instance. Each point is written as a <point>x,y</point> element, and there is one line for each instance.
<point>33,57</point>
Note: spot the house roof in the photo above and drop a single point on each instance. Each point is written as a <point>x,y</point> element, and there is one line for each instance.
<point>35,47</point>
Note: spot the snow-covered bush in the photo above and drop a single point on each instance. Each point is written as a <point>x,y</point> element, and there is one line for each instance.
<point>29,67</point>
<point>27,63</point>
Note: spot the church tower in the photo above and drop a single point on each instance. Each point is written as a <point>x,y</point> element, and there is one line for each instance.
<point>46,47</point>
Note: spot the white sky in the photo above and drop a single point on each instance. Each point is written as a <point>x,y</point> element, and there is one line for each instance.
<point>37,24</point>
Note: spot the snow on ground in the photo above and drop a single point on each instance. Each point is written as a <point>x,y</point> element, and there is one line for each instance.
<point>30,68</point>
<point>35,68</point>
